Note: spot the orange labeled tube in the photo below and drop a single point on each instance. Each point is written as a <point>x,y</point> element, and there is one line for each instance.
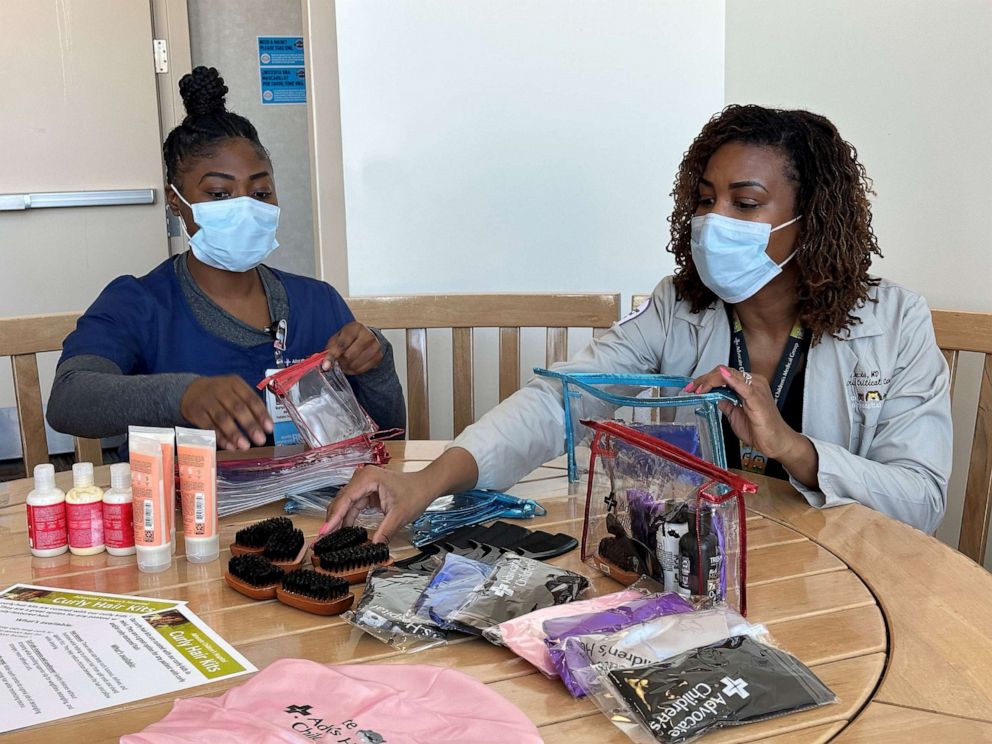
<point>167,439</point>
<point>151,526</point>
<point>197,453</point>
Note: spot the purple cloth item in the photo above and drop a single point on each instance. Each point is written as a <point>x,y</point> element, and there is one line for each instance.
<point>556,630</point>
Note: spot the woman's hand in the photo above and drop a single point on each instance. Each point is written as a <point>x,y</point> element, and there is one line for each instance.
<point>402,497</point>
<point>756,421</point>
<point>228,406</point>
<point>355,348</point>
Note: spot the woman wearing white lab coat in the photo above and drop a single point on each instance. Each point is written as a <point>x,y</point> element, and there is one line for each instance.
<point>843,388</point>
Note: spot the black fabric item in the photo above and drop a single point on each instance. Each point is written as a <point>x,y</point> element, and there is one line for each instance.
<point>518,585</point>
<point>727,684</point>
<point>506,535</point>
<point>422,561</point>
<point>460,538</point>
<point>482,552</point>
<point>541,545</point>
<point>502,534</point>
<point>535,544</point>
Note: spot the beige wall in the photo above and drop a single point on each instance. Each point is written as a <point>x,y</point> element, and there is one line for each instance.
<point>908,83</point>
<point>80,112</point>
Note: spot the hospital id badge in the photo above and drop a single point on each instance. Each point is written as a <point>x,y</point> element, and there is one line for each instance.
<point>284,431</point>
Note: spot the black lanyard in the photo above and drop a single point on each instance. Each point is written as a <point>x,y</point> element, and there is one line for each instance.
<point>752,459</point>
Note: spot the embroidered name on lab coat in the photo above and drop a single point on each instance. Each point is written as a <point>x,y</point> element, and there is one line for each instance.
<point>867,388</point>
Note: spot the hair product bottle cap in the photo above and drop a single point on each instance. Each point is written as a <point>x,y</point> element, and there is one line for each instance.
<point>82,474</point>
<point>44,477</point>
<point>154,559</point>
<point>120,476</point>
<point>202,549</point>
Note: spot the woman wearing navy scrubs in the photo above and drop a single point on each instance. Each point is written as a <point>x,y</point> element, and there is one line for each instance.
<point>188,342</point>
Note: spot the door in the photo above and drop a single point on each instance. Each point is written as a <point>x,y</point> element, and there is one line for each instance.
<point>80,113</point>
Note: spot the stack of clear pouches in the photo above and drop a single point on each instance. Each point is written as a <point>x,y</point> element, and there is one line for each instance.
<point>245,484</point>
<point>320,402</point>
<point>655,404</point>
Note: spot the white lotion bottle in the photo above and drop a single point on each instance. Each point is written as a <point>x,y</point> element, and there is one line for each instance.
<point>118,512</point>
<point>48,532</point>
<point>84,511</point>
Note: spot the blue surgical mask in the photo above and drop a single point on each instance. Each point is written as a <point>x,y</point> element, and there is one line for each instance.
<point>729,255</point>
<point>235,234</point>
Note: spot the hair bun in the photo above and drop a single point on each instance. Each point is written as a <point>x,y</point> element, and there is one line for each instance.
<point>203,92</point>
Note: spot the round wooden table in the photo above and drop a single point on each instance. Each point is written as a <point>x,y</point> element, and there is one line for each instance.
<point>897,624</point>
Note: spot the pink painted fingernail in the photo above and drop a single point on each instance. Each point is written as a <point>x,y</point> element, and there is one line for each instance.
<point>688,388</point>
<point>324,529</point>
<point>725,373</point>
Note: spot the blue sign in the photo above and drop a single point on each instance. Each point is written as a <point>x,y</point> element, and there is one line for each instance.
<point>281,73</point>
<point>280,51</point>
<point>283,84</point>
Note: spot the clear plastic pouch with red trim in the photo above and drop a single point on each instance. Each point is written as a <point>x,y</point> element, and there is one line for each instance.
<point>653,509</point>
<point>320,402</point>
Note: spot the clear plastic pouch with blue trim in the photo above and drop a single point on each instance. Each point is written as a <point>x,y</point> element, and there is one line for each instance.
<point>653,404</point>
<point>450,513</point>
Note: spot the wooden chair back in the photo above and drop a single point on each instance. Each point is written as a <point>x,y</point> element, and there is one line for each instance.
<point>22,339</point>
<point>464,312</point>
<point>637,300</point>
<point>972,332</point>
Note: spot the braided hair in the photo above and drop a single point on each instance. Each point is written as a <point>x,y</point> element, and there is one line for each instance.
<point>832,191</point>
<point>207,122</point>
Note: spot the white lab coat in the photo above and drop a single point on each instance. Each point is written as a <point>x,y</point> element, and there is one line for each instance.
<point>876,404</point>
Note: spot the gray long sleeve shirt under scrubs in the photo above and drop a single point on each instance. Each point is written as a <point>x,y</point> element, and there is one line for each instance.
<point>91,397</point>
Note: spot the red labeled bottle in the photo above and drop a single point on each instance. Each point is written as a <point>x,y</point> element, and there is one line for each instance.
<point>48,532</point>
<point>118,511</point>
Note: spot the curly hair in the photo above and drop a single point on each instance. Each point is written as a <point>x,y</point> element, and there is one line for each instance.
<point>207,122</point>
<point>832,191</point>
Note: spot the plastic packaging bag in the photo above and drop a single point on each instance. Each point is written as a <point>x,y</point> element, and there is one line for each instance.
<point>517,585</point>
<point>557,630</point>
<point>524,635</point>
<point>650,642</point>
<point>454,580</point>
<point>653,403</point>
<point>387,610</point>
<point>647,499</point>
<point>731,683</point>
<point>320,402</point>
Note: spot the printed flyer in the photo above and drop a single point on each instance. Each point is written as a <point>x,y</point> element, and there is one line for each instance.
<point>64,652</point>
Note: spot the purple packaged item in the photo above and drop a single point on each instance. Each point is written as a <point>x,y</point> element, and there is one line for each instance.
<point>646,514</point>
<point>558,629</point>
<point>524,635</point>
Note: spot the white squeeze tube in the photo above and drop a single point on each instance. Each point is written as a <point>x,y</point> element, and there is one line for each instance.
<point>167,438</point>
<point>148,488</point>
<point>197,453</point>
